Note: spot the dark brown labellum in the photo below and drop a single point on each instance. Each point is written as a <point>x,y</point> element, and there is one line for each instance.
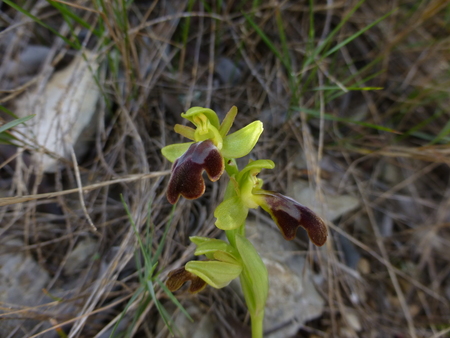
<point>187,170</point>
<point>288,214</point>
<point>178,277</point>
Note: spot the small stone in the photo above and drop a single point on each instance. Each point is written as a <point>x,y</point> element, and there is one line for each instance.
<point>352,319</point>
<point>363,266</point>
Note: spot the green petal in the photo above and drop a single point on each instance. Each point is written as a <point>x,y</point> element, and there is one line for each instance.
<point>185,131</point>
<point>257,165</point>
<point>254,277</point>
<point>173,151</point>
<point>217,274</point>
<point>209,113</point>
<point>240,143</point>
<point>231,213</point>
<point>227,122</point>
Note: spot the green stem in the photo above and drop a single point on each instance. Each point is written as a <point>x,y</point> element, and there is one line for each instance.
<point>257,325</point>
<point>257,315</point>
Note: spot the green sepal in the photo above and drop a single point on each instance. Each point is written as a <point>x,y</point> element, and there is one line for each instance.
<point>215,273</point>
<point>227,122</point>
<point>254,276</point>
<point>209,113</point>
<point>197,240</point>
<point>241,142</point>
<point>231,213</point>
<point>173,151</point>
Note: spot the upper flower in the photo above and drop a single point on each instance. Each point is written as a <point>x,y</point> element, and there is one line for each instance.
<point>210,147</point>
<point>287,213</point>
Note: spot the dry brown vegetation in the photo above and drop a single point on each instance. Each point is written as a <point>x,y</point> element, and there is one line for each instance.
<point>386,265</point>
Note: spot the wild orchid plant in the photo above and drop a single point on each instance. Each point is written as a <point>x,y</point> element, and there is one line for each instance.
<point>214,150</point>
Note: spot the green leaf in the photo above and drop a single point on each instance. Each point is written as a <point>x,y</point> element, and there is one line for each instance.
<point>231,213</point>
<point>173,151</point>
<point>215,273</point>
<point>240,143</point>
<point>254,277</point>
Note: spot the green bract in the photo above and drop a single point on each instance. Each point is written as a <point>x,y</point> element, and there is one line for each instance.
<point>254,278</point>
<point>227,263</point>
<point>224,264</point>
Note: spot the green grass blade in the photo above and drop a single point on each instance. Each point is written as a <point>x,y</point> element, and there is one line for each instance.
<point>412,131</point>
<point>174,299</point>
<point>133,298</point>
<point>163,239</point>
<point>354,36</point>
<point>7,111</point>
<point>267,41</point>
<point>283,39</point>
<point>442,134</point>
<point>162,311</point>
<point>70,14</point>
<point>330,117</point>
<point>76,46</point>
<point>14,123</point>
<point>348,88</point>
<point>330,36</point>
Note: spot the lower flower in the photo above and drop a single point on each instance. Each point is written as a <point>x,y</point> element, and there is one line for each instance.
<point>223,266</point>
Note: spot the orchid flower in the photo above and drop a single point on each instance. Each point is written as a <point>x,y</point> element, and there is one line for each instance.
<point>287,213</point>
<point>210,147</point>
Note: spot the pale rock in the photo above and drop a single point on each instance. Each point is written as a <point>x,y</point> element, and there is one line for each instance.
<point>391,174</point>
<point>21,284</point>
<point>28,61</point>
<point>364,266</point>
<point>293,298</point>
<point>203,324</point>
<point>80,256</point>
<point>352,319</point>
<point>227,71</point>
<point>334,206</point>
<point>65,111</point>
